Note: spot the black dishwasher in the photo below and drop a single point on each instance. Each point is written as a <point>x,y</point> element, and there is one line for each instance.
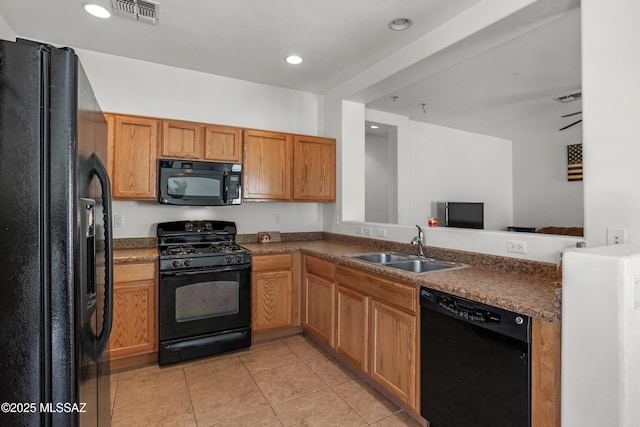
<point>475,367</point>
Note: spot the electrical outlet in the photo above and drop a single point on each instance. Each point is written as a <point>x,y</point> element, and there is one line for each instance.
<point>516,246</point>
<point>382,232</point>
<point>276,218</point>
<point>358,230</point>
<point>616,236</point>
<point>368,231</point>
<point>118,221</point>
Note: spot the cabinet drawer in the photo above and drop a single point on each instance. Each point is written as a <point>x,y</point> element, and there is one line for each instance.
<point>134,272</point>
<point>320,267</point>
<point>398,294</point>
<point>271,262</point>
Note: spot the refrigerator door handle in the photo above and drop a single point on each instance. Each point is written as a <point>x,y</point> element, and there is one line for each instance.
<point>100,171</point>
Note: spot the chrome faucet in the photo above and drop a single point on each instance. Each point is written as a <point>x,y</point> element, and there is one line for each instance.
<point>419,240</point>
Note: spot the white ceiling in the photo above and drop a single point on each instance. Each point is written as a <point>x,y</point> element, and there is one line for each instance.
<point>495,92</point>
<point>506,91</point>
<point>245,39</point>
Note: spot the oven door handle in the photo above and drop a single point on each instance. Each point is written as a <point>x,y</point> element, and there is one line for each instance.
<point>205,271</point>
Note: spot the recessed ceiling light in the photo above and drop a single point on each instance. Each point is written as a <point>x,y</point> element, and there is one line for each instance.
<point>400,24</point>
<point>293,59</point>
<point>374,127</point>
<point>96,10</point>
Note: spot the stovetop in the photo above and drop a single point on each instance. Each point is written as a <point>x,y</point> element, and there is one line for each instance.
<point>199,244</point>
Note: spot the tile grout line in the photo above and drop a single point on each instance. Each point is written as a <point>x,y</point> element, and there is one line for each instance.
<point>193,409</point>
<point>261,391</point>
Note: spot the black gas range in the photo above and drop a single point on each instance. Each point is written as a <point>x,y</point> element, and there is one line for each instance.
<point>187,245</point>
<point>205,290</point>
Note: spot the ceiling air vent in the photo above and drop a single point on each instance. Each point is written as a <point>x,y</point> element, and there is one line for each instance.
<point>570,98</point>
<point>140,10</point>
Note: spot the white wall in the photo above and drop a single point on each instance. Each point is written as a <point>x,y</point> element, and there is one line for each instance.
<point>601,337</point>
<point>135,87</point>
<point>379,178</point>
<point>6,32</point>
<point>611,105</point>
<point>453,165</point>
<point>542,196</point>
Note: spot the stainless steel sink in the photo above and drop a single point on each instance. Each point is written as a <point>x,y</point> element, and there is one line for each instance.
<point>381,257</point>
<point>406,262</point>
<point>424,265</point>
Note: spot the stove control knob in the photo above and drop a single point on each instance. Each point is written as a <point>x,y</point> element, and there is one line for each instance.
<point>187,262</point>
<point>175,263</point>
<point>228,259</point>
<point>239,259</point>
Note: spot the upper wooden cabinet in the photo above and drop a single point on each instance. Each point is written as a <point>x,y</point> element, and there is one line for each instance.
<point>188,140</point>
<point>286,167</point>
<point>181,140</point>
<point>314,163</point>
<point>223,144</point>
<point>133,154</point>
<point>267,167</point>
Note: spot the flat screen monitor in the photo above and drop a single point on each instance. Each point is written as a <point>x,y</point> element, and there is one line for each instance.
<point>465,214</point>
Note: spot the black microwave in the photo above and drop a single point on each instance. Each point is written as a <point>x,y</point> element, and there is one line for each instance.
<point>196,183</point>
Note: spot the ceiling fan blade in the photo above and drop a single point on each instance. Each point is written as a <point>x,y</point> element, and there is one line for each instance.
<point>572,114</point>
<point>568,126</point>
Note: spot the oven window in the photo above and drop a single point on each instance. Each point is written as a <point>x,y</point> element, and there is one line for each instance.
<point>195,186</point>
<point>207,299</point>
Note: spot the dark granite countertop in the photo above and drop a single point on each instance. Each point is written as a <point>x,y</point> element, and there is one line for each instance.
<point>502,286</point>
<point>135,250</point>
<point>526,287</point>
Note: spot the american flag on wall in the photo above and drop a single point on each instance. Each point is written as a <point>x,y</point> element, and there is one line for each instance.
<point>574,162</point>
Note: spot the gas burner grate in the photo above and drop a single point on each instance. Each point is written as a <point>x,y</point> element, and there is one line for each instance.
<point>218,247</point>
<point>180,250</point>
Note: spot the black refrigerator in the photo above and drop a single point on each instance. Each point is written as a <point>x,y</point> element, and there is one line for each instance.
<point>56,274</point>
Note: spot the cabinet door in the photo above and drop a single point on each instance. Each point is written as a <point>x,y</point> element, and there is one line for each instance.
<point>314,177</point>
<point>545,373</point>
<point>271,300</point>
<point>319,307</point>
<point>223,144</point>
<point>181,140</point>
<point>134,142</point>
<point>134,320</point>
<point>393,351</point>
<point>351,326</point>
<point>267,164</point>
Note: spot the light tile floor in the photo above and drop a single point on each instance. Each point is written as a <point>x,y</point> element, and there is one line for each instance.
<point>287,382</point>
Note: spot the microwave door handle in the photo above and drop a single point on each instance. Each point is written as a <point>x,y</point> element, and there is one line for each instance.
<point>225,187</point>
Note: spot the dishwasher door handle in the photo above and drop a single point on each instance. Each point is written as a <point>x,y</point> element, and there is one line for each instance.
<point>462,307</point>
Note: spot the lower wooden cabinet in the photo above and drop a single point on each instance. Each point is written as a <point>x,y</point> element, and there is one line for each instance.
<point>368,320</point>
<point>319,299</point>
<point>352,326</point>
<point>393,349</point>
<point>135,315</point>
<point>319,307</point>
<point>387,321</point>
<point>274,295</point>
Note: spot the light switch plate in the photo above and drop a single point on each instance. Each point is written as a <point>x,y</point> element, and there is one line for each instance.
<point>635,282</point>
